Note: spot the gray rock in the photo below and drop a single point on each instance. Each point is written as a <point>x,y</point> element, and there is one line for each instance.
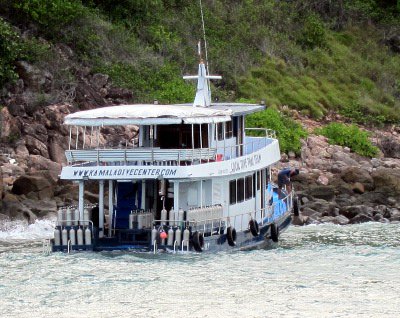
<point>306,211</point>
<point>322,192</point>
<point>341,220</point>
<point>360,218</point>
<point>300,220</point>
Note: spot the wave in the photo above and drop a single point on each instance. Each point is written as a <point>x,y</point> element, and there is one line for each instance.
<point>23,231</point>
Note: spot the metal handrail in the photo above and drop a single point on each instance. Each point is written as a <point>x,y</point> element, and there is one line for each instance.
<point>263,213</point>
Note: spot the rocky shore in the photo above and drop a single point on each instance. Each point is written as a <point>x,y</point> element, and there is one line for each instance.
<point>335,185</point>
<point>341,187</point>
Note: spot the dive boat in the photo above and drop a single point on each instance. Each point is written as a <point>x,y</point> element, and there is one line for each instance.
<point>185,177</point>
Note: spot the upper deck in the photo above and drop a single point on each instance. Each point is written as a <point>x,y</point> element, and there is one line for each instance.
<point>189,141</point>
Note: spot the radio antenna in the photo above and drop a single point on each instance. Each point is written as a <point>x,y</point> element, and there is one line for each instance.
<point>204,36</point>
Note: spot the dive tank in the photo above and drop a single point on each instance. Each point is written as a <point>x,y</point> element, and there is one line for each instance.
<point>88,236</point>
<point>68,217</point>
<point>72,236</point>
<point>178,237</point>
<point>131,220</point>
<point>76,217</point>
<point>172,217</point>
<point>170,240</point>
<point>154,233</point>
<point>79,236</point>
<point>140,219</point>
<point>64,236</point>
<point>60,217</point>
<point>86,217</point>
<point>164,216</point>
<point>181,214</point>
<point>57,240</point>
<point>186,237</point>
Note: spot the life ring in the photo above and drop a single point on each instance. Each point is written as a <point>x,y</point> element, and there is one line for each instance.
<point>231,236</point>
<point>198,241</point>
<point>254,229</point>
<point>296,210</point>
<point>274,231</point>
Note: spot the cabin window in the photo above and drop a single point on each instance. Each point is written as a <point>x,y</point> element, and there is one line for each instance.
<point>240,190</point>
<point>228,130</point>
<point>258,180</point>
<point>248,187</point>
<point>232,192</point>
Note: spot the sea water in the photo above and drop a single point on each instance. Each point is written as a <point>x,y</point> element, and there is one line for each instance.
<point>314,271</point>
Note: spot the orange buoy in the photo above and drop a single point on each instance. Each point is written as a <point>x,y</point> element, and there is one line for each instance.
<point>163,235</point>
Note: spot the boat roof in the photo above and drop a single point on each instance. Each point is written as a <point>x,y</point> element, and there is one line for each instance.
<point>237,109</point>
<point>148,114</point>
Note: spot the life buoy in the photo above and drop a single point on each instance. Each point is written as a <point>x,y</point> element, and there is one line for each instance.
<point>254,229</point>
<point>231,235</point>
<point>296,210</point>
<point>198,241</point>
<point>274,231</point>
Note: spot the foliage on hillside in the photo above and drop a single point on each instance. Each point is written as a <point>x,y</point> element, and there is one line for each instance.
<point>349,136</point>
<point>318,56</point>
<point>287,130</point>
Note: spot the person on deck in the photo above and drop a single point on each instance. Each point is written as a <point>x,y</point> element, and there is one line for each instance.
<point>284,180</point>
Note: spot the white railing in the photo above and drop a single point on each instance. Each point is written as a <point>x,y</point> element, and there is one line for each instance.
<point>171,157</point>
<point>263,216</point>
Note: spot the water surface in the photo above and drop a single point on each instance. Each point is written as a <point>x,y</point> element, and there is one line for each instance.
<point>315,271</point>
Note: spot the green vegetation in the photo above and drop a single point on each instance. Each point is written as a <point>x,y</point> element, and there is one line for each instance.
<point>287,130</point>
<point>349,136</point>
<point>318,56</point>
<point>9,52</point>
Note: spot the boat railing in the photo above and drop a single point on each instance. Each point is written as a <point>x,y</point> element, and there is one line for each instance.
<point>216,226</point>
<point>170,157</point>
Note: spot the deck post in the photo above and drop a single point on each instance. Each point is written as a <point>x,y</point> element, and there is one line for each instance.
<point>110,205</point>
<point>81,199</point>
<point>176,198</point>
<point>101,208</point>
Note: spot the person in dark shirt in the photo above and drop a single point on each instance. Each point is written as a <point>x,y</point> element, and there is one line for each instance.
<point>284,179</point>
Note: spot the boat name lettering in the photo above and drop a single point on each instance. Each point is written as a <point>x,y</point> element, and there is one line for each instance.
<point>245,163</point>
<point>122,172</point>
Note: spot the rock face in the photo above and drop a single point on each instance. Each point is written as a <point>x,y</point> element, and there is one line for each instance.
<point>338,186</point>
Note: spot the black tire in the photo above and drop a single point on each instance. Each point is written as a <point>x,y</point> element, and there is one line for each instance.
<point>296,210</point>
<point>198,241</point>
<point>254,228</point>
<point>274,231</point>
<point>231,236</point>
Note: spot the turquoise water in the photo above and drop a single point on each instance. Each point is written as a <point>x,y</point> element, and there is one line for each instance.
<point>315,271</point>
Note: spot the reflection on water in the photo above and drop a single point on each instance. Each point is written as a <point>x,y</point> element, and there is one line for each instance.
<point>316,271</point>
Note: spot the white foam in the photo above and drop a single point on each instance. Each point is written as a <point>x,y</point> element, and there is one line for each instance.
<point>21,230</point>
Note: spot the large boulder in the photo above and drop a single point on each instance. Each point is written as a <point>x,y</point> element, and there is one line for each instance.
<point>322,192</point>
<point>38,185</point>
<point>14,209</point>
<point>41,208</point>
<point>39,164</point>
<point>387,180</point>
<point>37,131</point>
<point>9,128</point>
<point>36,147</point>
<point>354,175</point>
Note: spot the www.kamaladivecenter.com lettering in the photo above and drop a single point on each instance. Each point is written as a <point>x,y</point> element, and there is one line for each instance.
<point>121,172</point>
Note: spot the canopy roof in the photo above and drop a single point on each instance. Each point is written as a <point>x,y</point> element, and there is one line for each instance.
<point>147,114</point>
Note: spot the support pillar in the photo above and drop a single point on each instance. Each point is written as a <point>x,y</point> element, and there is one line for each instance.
<point>101,208</point>
<point>81,199</point>
<point>110,205</point>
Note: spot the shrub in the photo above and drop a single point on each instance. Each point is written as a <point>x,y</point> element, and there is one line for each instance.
<point>349,136</point>
<point>9,52</point>
<point>288,131</point>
